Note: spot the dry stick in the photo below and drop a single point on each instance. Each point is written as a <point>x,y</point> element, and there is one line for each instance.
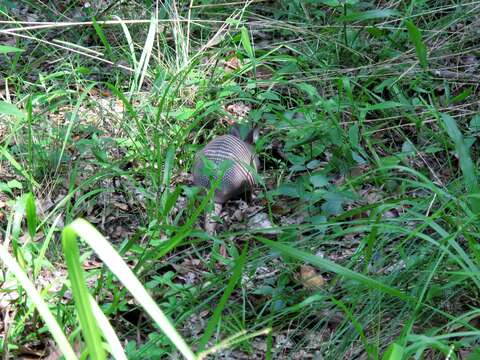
<point>72,45</point>
<point>188,25</point>
<point>178,34</point>
<point>265,24</point>
<point>427,214</point>
<point>48,25</point>
<point>72,50</point>
<point>229,4</point>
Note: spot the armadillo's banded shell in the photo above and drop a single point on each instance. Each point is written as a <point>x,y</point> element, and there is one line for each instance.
<point>239,159</point>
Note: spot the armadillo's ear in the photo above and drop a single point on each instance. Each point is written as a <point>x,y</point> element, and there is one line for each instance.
<point>252,136</point>
<point>242,132</point>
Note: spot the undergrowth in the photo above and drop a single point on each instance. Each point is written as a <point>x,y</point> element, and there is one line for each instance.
<point>368,187</point>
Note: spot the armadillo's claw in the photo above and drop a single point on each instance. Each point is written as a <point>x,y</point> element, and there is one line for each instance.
<point>210,221</point>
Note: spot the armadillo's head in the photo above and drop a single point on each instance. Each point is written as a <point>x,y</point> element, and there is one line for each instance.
<point>245,132</point>
<point>249,134</point>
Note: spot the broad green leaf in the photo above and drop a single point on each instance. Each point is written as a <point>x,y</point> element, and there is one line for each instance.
<point>333,204</point>
<point>5,189</point>
<point>309,89</point>
<point>332,3</point>
<point>462,96</point>
<point>407,147</point>
<point>269,95</point>
<point>318,180</point>
<point>15,184</point>
<point>10,109</point>
<point>475,123</point>
<point>5,49</point>
<point>354,135</point>
<point>247,45</point>
<point>416,38</point>
<point>369,15</point>
<point>393,352</point>
<point>31,214</point>
<point>287,189</point>
<point>474,354</point>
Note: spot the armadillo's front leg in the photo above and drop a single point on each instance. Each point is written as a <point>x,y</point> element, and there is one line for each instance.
<point>210,222</point>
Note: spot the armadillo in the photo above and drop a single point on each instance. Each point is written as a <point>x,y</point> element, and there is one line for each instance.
<point>240,162</point>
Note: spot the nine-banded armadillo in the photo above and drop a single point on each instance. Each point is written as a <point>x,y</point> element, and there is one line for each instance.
<point>239,161</point>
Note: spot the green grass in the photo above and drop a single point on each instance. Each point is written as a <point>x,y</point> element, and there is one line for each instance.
<point>369,123</point>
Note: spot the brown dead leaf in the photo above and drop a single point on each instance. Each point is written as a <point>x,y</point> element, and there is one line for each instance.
<point>3,200</point>
<point>263,73</point>
<point>239,109</point>
<point>187,266</point>
<point>223,251</point>
<point>54,352</point>
<point>3,129</point>
<point>9,294</point>
<point>310,278</point>
<point>22,239</point>
<point>121,206</point>
<point>3,205</point>
<point>24,353</point>
<point>90,264</point>
<point>232,64</point>
<point>280,208</point>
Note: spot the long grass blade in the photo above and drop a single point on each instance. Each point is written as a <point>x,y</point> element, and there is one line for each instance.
<point>116,348</point>
<point>52,325</point>
<point>88,323</point>
<point>466,163</point>
<point>215,319</point>
<point>142,67</point>
<point>116,264</point>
